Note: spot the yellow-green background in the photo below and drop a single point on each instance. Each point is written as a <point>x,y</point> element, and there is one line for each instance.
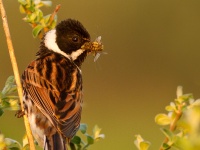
<point>153,46</point>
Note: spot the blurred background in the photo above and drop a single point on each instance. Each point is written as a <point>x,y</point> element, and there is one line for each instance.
<point>153,46</point>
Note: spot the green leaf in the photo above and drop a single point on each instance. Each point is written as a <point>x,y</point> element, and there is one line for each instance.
<point>9,86</point>
<point>39,15</point>
<point>90,139</point>
<point>83,128</point>
<point>37,30</point>
<point>162,119</point>
<point>46,19</point>
<point>76,140</point>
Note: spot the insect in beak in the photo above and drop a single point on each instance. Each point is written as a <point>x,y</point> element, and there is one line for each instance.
<point>95,48</point>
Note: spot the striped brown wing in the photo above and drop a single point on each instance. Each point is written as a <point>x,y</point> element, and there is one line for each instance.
<point>62,106</point>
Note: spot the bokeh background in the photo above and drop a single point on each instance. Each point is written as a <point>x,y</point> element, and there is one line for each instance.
<point>153,46</point>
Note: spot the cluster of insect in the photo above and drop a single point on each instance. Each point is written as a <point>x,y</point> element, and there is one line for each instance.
<point>95,47</point>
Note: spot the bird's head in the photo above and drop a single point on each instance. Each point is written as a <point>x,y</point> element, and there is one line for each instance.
<point>70,39</point>
<point>71,35</point>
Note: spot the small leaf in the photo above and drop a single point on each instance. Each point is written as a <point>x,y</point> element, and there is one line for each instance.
<point>83,128</point>
<point>9,86</point>
<point>162,119</point>
<point>90,139</point>
<point>46,19</point>
<point>39,15</point>
<point>76,140</point>
<point>37,30</point>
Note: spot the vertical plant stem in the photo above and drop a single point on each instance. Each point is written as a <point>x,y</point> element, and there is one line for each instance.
<point>16,72</point>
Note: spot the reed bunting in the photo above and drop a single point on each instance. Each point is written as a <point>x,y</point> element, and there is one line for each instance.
<point>52,84</point>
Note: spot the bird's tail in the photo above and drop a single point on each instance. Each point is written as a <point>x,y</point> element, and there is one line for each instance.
<point>55,142</point>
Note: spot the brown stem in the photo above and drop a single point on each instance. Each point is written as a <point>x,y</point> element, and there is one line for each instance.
<point>54,13</point>
<point>16,72</point>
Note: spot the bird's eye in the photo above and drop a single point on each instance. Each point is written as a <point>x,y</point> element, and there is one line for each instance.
<point>75,38</point>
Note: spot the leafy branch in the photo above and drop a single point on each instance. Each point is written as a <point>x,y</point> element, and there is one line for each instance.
<point>79,144</point>
<point>35,17</point>
<point>182,119</point>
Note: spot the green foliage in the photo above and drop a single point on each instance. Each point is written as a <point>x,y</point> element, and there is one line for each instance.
<point>79,144</point>
<point>182,122</point>
<point>8,96</point>
<point>35,17</point>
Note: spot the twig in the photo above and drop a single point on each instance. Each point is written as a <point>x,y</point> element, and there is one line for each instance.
<point>16,72</point>
<point>52,16</point>
<point>54,13</point>
<point>50,21</point>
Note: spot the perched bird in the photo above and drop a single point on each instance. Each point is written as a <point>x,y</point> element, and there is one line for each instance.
<point>52,85</point>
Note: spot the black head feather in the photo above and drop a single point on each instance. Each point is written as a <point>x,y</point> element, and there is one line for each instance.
<point>71,35</point>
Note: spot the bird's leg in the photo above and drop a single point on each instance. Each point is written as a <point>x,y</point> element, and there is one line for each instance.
<point>19,113</point>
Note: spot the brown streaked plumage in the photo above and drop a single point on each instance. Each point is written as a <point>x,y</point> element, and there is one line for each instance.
<point>52,85</point>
